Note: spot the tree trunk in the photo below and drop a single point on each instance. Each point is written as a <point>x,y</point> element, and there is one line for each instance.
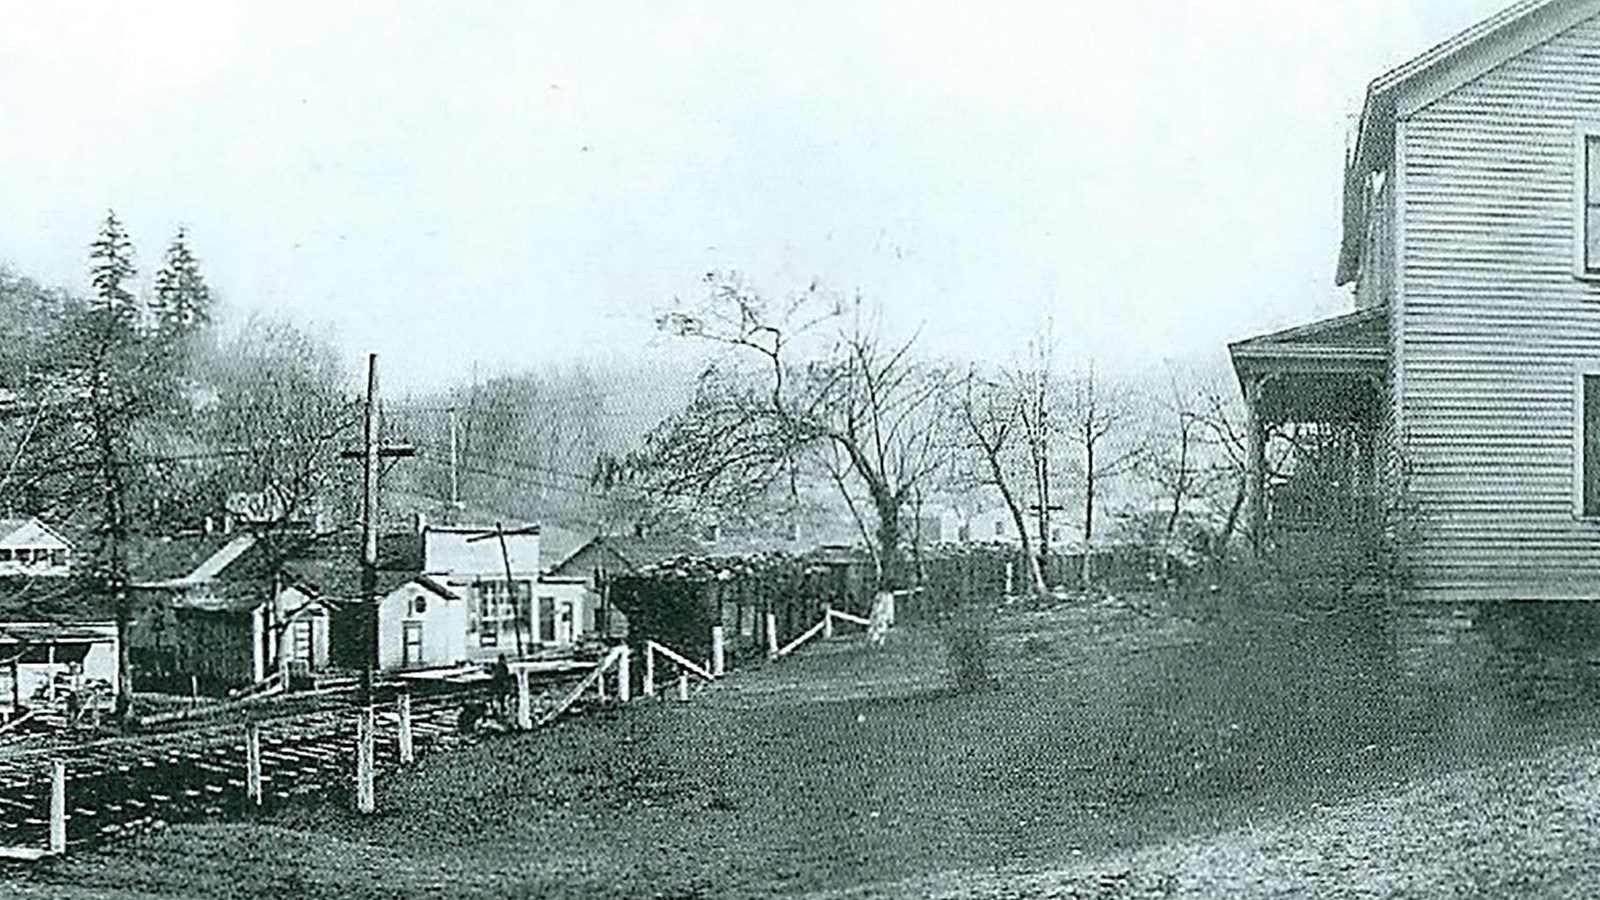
<point>891,574</point>
<point>1088,514</point>
<point>116,570</point>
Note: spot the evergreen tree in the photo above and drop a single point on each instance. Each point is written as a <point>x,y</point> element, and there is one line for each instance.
<point>110,270</point>
<point>182,301</point>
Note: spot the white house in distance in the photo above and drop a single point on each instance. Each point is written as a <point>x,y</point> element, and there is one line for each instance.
<point>522,614</point>
<point>31,549</point>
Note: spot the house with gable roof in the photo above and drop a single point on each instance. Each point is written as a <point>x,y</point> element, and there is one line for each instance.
<point>31,549</point>
<point>1456,407</point>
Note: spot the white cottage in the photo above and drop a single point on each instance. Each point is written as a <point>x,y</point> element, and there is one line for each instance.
<point>31,549</point>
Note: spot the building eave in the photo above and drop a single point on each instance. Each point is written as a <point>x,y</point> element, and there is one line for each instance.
<point>1421,81</point>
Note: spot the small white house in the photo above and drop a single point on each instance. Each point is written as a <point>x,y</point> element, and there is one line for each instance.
<point>41,656</point>
<point>510,607</point>
<point>31,549</point>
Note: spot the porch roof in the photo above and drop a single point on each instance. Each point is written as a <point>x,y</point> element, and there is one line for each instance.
<point>1328,370</point>
<point>1354,342</point>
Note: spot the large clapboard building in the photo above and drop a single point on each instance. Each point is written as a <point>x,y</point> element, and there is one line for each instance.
<point>1467,379</point>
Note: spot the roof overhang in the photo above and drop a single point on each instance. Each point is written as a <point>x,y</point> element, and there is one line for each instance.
<point>1329,370</point>
<point>1402,91</point>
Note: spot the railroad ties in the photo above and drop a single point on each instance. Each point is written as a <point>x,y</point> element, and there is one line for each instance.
<point>124,785</point>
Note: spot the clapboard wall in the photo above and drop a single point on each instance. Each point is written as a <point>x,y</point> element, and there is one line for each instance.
<point>1492,326</point>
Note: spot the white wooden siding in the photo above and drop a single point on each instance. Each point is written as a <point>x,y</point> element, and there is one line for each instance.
<point>1494,326</point>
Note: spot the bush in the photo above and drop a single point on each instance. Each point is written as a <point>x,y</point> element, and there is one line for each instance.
<point>966,640</point>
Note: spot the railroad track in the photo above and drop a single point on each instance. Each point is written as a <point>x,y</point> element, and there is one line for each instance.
<point>123,785</point>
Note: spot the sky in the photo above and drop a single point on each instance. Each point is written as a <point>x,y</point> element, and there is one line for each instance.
<point>491,186</point>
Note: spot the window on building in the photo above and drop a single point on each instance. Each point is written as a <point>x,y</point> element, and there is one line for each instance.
<point>502,609</point>
<point>1589,471</point>
<point>547,620</point>
<point>1589,190</point>
<point>6,555</point>
<point>999,527</point>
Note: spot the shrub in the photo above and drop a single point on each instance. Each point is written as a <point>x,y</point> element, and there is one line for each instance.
<point>966,640</point>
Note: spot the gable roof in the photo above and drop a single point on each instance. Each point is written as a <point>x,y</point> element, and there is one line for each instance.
<point>210,568</point>
<point>1424,79</point>
<point>13,530</point>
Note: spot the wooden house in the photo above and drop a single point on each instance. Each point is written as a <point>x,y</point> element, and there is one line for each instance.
<point>421,623</point>
<point>603,558</point>
<point>1459,402</point>
<point>31,549</point>
<point>232,620</point>
<point>512,608</point>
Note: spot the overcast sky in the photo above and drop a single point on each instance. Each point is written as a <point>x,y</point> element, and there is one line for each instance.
<point>511,183</point>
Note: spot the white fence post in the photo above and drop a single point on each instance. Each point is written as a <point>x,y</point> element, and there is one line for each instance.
<point>772,636</point>
<point>252,764</point>
<point>683,687</point>
<point>827,621</point>
<point>624,675</point>
<point>366,796</point>
<point>58,807</point>
<point>408,752</point>
<point>649,670</point>
<point>524,701</point>
<point>719,651</point>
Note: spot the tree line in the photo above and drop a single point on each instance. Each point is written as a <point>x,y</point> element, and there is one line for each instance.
<point>128,411</point>
<point>813,387</point>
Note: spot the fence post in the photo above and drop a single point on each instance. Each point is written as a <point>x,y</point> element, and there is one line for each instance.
<point>683,687</point>
<point>408,751</point>
<point>624,675</point>
<point>827,621</point>
<point>649,670</point>
<point>366,797</point>
<point>600,686</point>
<point>252,764</point>
<point>524,701</point>
<point>718,651</point>
<point>772,636</point>
<point>58,807</point>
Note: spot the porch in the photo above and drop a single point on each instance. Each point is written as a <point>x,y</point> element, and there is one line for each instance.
<point>1315,407</point>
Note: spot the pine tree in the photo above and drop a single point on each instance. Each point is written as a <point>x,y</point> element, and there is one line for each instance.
<point>114,361</point>
<point>182,301</point>
<point>110,270</point>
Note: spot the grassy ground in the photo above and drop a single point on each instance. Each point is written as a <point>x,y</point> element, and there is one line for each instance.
<point>1119,753</point>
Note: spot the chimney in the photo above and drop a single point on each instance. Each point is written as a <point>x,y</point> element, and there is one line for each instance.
<point>421,522</point>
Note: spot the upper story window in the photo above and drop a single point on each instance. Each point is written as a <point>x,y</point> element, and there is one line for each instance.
<point>1587,171</point>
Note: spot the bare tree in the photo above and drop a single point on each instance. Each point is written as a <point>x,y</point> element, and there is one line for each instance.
<point>1094,413</point>
<point>1038,397</point>
<point>996,425</point>
<point>873,402</point>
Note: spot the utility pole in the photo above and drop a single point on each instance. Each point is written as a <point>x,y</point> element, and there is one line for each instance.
<point>455,462</point>
<point>366,795</point>
<point>370,454</point>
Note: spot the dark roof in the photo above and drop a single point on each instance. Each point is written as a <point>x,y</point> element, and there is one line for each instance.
<point>634,552</point>
<point>332,566</point>
<point>152,558</point>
